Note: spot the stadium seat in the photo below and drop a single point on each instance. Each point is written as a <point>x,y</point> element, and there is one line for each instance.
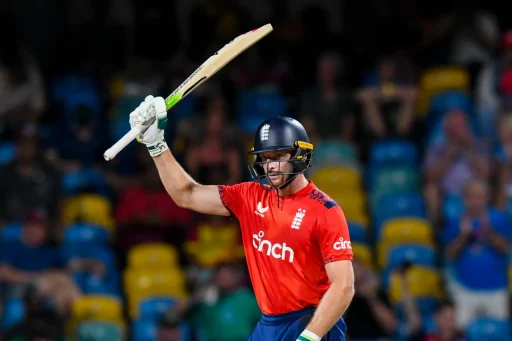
<point>7,152</point>
<point>99,331</point>
<point>398,205</point>
<point>352,202</point>
<point>89,208</point>
<point>453,206</point>
<point>401,205</point>
<point>403,231</point>
<point>438,79</point>
<point>335,153</point>
<point>363,253</point>
<point>144,330</point>
<point>215,244</point>
<point>337,179</point>
<point>81,233</point>
<point>396,178</point>
<point>445,102</point>
<point>254,106</point>
<point>154,308</point>
<point>152,256</point>
<point>488,329</point>
<point>414,254</point>
<point>146,284</point>
<point>13,312</point>
<point>393,151</point>
<point>98,308</point>
<point>357,232</point>
<point>10,232</point>
<point>408,230</point>
<point>422,282</point>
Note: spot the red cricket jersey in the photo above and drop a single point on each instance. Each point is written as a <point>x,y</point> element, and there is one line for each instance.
<point>288,243</point>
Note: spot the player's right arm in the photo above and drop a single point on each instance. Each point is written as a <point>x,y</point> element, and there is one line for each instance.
<point>184,190</point>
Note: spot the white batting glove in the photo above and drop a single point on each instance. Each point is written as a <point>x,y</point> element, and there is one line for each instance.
<point>152,116</point>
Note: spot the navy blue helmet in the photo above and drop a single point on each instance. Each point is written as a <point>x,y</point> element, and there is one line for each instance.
<point>281,133</point>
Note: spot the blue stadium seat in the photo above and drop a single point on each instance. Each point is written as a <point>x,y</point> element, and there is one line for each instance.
<point>335,153</point>
<point>357,232</point>
<point>393,151</point>
<point>85,233</point>
<point>144,330</point>
<point>154,308</point>
<point>415,254</point>
<point>398,205</point>
<point>7,152</point>
<point>488,329</point>
<point>14,312</point>
<point>87,178</point>
<point>255,106</point>
<point>447,101</point>
<point>10,232</point>
<point>453,206</point>
<point>99,331</point>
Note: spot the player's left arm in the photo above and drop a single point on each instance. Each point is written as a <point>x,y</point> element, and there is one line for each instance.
<point>333,237</point>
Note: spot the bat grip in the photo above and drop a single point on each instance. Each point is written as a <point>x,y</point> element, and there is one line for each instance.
<point>122,143</point>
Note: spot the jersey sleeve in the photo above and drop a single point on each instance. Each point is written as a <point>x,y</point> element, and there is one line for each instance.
<point>234,197</point>
<point>333,236</point>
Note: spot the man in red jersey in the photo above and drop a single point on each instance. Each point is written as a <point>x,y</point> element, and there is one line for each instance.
<point>295,237</point>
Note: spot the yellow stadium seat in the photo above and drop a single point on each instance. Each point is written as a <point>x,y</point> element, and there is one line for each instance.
<point>360,218</point>
<point>90,208</point>
<point>403,231</point>
<point>152,256</point>
<point>353,201</point>
<point>439,79</point>
<point>337,179</point>
<point>407,230</point>
<point>422,282</point>
<point>143,284</point>
<point>215,244</point>
<point>363,253</point>
<point>97,308</point>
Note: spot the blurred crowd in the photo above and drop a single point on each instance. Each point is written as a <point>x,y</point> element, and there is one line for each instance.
<point>408,105</point>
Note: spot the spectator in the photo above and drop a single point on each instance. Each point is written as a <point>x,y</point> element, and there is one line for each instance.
<point>81,146</point>
<point>212,157</point>
<point>449,164</point>
<point>492,84</point>
<point>388,101</point>
<point>22,92</point>
<point>327,110</point>
<point>502,161</point>
<point>445,326</point>
<point>145,212</point>
<point>475,39</point>
<point>370,315</point>
<point>222,311</point>
<point>32,260</point>
<point>477,245</point>
<point>28,181</point>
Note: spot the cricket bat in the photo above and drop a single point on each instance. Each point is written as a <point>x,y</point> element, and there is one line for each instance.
<point>213,64</point>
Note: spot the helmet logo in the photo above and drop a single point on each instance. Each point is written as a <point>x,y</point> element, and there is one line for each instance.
<point>264,132</point>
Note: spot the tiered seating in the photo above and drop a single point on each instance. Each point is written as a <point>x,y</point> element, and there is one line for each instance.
<point>153,283</point>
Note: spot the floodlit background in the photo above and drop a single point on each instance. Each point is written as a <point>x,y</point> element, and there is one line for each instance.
<point>408,104</point>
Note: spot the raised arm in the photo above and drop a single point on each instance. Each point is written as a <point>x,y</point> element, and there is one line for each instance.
<point>182,188</point>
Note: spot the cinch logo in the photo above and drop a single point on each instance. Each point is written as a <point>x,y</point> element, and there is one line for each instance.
<point>342,245</point>
<point>275,250</point>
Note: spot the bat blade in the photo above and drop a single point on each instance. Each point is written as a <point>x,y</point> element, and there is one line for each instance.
<point>204,72</point>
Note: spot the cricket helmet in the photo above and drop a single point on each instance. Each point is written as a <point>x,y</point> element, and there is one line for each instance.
<point>281,133</point>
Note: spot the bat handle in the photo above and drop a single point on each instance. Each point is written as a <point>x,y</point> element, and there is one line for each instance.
<point>122,143</point>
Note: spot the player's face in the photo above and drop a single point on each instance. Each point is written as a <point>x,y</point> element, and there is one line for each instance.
<point>276,165</point>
